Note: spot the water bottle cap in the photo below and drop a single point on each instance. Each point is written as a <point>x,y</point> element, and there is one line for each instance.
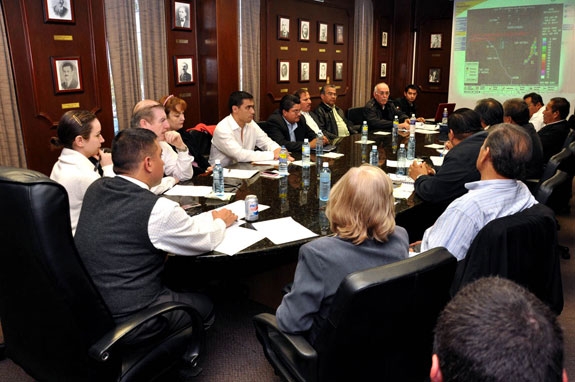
<point>325,164</point>
<point>283,147</point>
<point>412,115</point>
<point>374,147</point>
<point>306,140</point>
<point>365,122</point>
<point>402,145</point>
<point>217,161</point>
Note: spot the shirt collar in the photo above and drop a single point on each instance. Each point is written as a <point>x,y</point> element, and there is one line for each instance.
<point>135,181</point>
<point>494,183</point>
<point>293,125</point>
<point>331,107</point>
<point>235,125</point>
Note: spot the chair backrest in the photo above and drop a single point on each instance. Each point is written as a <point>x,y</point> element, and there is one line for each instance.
<point>554,163</point>
<point>380,326</point>
<point>570,138</point>
<point>50,310</point>
<point>200,140</point>
<point>547,189</point>
<point>520,247</point>
<point>355,115</point>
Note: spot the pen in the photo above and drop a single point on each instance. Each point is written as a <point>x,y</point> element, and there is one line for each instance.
<point>443,152</point>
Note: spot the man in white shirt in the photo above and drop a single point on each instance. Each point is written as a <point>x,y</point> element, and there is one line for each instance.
<point>237,135</point>
<point>125,231</point>
<point>305,102</point>
<point>536,107</point>
<point>178,165</point>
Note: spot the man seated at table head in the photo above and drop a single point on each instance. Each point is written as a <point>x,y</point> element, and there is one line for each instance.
<point>287,128</point>
<point>536,107</point>
<point>125,231</point>
<point>305,103</point>
<point>331,118</point>
<point>556,127</point>
<point>178,164</point>
<point>490,111</point>
<point>516,112</point>
<point>237,135</point>
<point>494,330</point>
<point>407,103</point>
<point>501,161</point>
<point>459,165</point>
<point>380,111</point>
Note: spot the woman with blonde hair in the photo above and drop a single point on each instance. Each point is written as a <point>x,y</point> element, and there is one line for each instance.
<point>80,135</point>
<point>362,215</point>
<point>175,108</point>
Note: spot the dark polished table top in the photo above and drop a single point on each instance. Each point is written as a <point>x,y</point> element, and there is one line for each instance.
<point>296,197</point>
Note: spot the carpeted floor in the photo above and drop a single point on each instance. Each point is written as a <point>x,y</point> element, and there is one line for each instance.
<point>234,354</point>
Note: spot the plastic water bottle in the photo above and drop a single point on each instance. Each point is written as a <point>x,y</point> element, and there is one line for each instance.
<point>374,156</point>
<point>411,144</point>
<point>305,153</point>
<point>218,182</point>
<point>401,160</point>
<point>364,131</point>
<point>444,117</point>
<point>324,182</point>
<point>319,144</point>
<point>412,122</point>
<point>394,132</point>
<point>363,153</point>
<point>283,167</point>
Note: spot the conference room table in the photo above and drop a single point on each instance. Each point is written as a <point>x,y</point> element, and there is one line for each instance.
<point>295,196</point>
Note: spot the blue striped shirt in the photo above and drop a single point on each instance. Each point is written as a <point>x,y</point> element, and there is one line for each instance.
<point>486,200</point>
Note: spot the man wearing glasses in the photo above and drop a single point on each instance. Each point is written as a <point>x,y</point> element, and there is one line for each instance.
<point>380,111</point>
<point>330,117</point>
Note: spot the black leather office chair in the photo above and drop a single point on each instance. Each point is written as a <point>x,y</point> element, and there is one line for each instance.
<point>380,326</point>
<point>355,115</point>
<point>520,247</point>
<point>56,325</point>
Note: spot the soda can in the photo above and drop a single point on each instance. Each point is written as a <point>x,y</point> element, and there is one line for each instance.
<point>251,208</point>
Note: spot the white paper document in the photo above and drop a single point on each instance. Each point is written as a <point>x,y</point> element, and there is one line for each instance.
<point>427,126</point>
<point>332,155</point>
<point>401,178</point>
<point>404,191</point>
<point>283,230</point>
<point>437,161</point>
<point>238,174</point>
<point>382,133</point>
<point>180,190</point>
<point>391,163</point>
<point>267,162</point>
<point>239,208</point>
<point>226,196</point>
<point>367,142</point>
<point>300,163</point>
<point>435,146</point>
<point>238,238</point>
<point>424,131</point>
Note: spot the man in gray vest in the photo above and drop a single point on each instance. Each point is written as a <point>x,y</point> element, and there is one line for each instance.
<point>125,231</point>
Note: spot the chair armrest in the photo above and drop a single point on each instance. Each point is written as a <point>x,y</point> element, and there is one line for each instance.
<point>100,351</point>
<point>266,321</point>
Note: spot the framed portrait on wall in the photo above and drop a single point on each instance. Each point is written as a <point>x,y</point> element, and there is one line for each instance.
<point>384,39</point>
<point>181,15</point>
<point>338,70</point>
<point>383,70</point>
<point>283,71</point>
<point>67,74</point>
<point>434,75</point>
<point>322,70</point>
<point>321,32</point>
<point>338,32</point>
<point>59,11</point>
<point>304,30</point>
<point>304,71</point>
<point>184,70</point>
<point>435,41</point>
<point>283,28</point>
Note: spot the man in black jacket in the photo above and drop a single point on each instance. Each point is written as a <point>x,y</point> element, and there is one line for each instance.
<point>380,111</point>
<point>331,118</point>
<point>288,128</point>
<point>407,103</point>
<point>556,127</point>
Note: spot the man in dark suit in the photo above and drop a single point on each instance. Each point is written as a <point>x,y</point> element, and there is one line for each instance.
<point>69,78</point>
<point>185,76</point>
<point>556,127</point>
<point>490,111</point>
<point>288,128</point>
<point>331,118</point>
<point>407,103</point>
<point>516,112</point>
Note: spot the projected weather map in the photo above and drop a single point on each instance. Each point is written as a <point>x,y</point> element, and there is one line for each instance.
<point>511,46</point>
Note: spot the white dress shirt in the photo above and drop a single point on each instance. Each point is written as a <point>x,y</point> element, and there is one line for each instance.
<point>537,119</point>
<point>178,165</point>
<point>76,173</point>
<point>310,121</point>
<point>230,145</point>
<point>171,229</point>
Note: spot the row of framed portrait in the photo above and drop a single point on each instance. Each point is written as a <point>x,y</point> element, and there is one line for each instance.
<point>434,73</point>
<point>304,71</point>
<point>305,32</point>
<point>434,40</point>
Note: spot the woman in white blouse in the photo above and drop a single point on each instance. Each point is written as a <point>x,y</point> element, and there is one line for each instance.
<point>79,133</point>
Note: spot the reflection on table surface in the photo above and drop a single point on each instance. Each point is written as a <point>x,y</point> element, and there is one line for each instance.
<point>297,194</point>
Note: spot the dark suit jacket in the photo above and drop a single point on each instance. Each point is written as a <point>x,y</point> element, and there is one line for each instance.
<point>185,77</point>
<point>552,138</point>
<point>458,168</point>
<point>534,168</point>
<point>327,121</point>
<point>381,118</point>
<point>405,107</point>
<point>277,130</point>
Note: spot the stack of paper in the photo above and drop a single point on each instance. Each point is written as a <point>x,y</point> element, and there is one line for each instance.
<point>382,133</point>
<point>237,239</point>
<point>239,174</point>
<point>283,230</point>
<point>366,142</point>
<point>332,155</point>
<point>404,191</point>
<point>180,190</point>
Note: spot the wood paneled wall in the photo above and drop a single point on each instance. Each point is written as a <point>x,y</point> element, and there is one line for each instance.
<point>33,43</point>
<point>273,49</point>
